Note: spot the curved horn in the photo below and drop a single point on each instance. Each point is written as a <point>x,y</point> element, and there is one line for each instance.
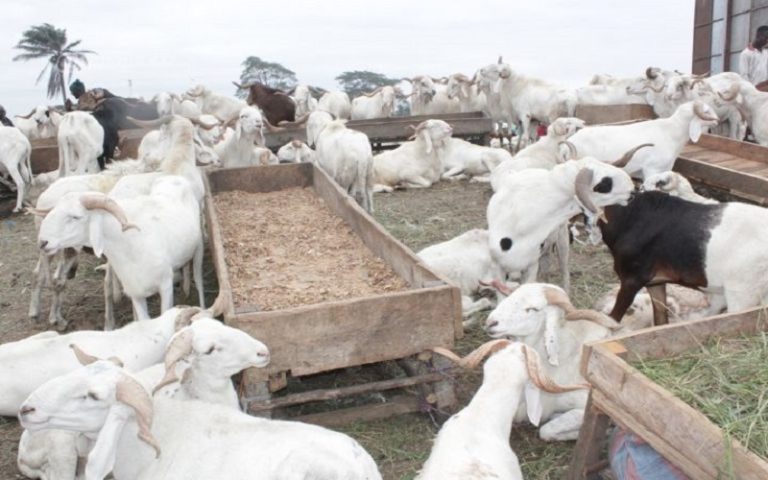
<point>184,317</point>
<point>377,90</point>
<point>499,286</point>
<point>462,78</point>
<point>571,148</point>
<point>219,306</point>
<point>558,298</point>
<point>39,212</point>
<point>474,358</point>
<point>29,115</point>
<point>82,357</point>
<point>652,72</point>
<point>624,160</point>
<point>541,379</point>
<point>732,92</point>
<point>102,202</point>
<point>242,87</point>
<point>697,109</point>
<point>299,121</point>
<point>582,186</point>
<point>201,124</point>
<point>271,128</point>
<point>151,123</point>
<point>180,347</point>
<point>132,394</point>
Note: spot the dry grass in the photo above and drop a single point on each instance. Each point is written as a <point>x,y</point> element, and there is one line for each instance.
<point>727,380</point>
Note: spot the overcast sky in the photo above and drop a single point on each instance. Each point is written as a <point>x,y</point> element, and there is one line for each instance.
<point>171,45</point>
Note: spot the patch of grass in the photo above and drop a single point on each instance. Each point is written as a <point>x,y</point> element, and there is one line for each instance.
<point>725,379</point>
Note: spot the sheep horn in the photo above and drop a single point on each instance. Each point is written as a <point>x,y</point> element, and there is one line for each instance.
<point>624,160</point>
<point>299,121</point>
<point>102,202</point>
<point>582,185</point>
<point>733,92</point>
<point>201,124</point>
<point>39,212</point>
<point>541,379</point>
<point>462,78</point>
<point>652,72</point>
<point>82,357</point>
<point>499,286</point>
<point>179,347</point>
<point>273,129</point>
<point>28,116</point>
<point>132,394</point>
<point>697,109</point>
<point>242,87</point>
<point>151,123</point>
<point>184,317</point>
<point>377,90</point>
<point>558,298</point>
<point>474,358</point>
<point>571,148</point>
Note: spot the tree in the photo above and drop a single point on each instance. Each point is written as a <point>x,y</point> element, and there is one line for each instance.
<point>360,81</point>
<point>47,41</point>
<point>269,73</point>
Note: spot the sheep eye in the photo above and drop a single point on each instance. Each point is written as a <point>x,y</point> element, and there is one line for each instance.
<point>531,309</point>
<point>92,396</point>
<point>210,350</point>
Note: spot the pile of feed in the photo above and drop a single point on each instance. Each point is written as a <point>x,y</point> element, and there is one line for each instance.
<point>726,380</point>
<point>286,249</point>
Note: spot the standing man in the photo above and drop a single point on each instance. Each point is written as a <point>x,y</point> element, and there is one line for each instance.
<point>753,61</point>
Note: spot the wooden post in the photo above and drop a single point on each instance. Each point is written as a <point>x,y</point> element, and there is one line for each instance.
<point>590,443</point>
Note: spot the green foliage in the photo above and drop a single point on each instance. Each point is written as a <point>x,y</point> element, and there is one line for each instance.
<point>361,81</point>
<point>270,74</point>
<point>47,41</point>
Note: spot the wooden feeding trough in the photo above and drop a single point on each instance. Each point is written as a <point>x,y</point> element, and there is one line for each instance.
<point>322,337</point>
<point>45,151</point>
<point>681,434</point>
<point>600,114</point>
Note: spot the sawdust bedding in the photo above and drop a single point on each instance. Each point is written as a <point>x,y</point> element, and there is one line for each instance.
<point>286,249</point>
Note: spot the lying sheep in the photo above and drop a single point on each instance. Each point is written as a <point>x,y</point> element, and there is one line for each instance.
<point>676,185</point>
<point>295,151</point>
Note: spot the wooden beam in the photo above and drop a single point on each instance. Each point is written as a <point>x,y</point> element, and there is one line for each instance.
<point>366,413</point>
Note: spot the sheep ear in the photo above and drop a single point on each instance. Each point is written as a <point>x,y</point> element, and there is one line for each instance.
<point>260,138</point>
<point>96,234</point>
<point>427,140</point>
<point>551,326</point>
<point>101,459</point>
<point>694,130</point>
<point>533,403</point>
<point>649,98</point>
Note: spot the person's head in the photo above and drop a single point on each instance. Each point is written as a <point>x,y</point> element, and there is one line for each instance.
<point>77,88</point>
<point>761,37</point>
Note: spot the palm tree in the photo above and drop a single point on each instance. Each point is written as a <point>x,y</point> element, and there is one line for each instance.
<point>47,41</point>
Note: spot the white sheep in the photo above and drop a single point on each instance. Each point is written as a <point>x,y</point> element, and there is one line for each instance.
<point>465,261</point>
<point>295,151</point>
<point>666,136</point>
<point>542,317</point>
<point>344,154</point>
<point>305,102</point>
<point>139,438</point>
<point>15,152</point>
<point>41,122</point>
<point>462,88</point>
<point>546,153</point>
<point>81,142</point>
<point>199,362</point>
<point>754,107</point>
<point>379,103</point>
<point>336,103</point>
<point>462,159</point>
<point>430,97</point>
<point>676,185</point>
<point>236,149</point>
<point>652,87</point>
<point>474,443</point>
<point>164,236</point>
<point>220,106</point>
<point>172,104</point>
<point>415,164</point>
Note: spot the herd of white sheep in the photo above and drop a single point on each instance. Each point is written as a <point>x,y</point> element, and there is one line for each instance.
<point>154,399</point>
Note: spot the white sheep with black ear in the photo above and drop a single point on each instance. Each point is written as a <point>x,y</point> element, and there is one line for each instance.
<point>199,362</point>
<point>535,203</point>
<point>138,438</point>
<point>542,317</point>
<point>474,443</point>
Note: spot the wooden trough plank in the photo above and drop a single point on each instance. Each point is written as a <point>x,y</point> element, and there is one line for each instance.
<point>366,413</point>
<point>603,114</point>
<point>753,187</point>
<point>750,151</point>
<point>335,393</point>
<point>352,332</point>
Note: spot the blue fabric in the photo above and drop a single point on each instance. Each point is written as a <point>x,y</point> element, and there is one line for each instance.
<point>633,459</point>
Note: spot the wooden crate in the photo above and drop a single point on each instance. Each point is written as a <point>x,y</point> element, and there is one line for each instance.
<point>738,168</point>
<point>599,114</point>
<point>677,431</point>
<point>471,126</point>
<point>45,151</point>
<point>331,335</point>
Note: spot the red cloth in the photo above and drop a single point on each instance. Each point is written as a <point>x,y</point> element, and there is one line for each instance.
<point>541,131</point>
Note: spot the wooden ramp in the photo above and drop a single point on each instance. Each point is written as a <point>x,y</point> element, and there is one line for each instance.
<point>739,168</point>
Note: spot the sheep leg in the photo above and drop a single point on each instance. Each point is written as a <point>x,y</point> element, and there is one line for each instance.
<point>64,271</point>
<point>140,311</point>
<point>197,272</point>
<point>563,427</point>
<point>625,297</point>
<point>531,273</point>
<point>20,185</point>
<point>470,307</point>
<point>186,279</point>
<point>658,294</point>
<point>562,244</point>
<point>109,305</point>
<point>418,182</point>
<point>166,293</point>
<point>378,188</point>
<point>40,278</point>
<point>453,173</point>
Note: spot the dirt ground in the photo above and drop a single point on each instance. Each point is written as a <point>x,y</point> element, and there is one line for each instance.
<point>417,217</point>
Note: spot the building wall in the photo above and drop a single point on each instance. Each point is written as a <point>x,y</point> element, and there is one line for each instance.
<point>722,29</point>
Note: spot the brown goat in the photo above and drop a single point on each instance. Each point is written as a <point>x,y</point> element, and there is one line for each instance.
<point>276,105</point>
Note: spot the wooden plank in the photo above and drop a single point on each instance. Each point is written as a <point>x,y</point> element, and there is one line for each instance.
<point>712,156</point>
<point>354,331</point>
<point>414,119</point>
<point>750,151</point>
<point>591,441</point>
<point>674,429</point>
<point>602,114</point>
<point>738,183</point>
<point>336,393</point>
<point>261,179</point>
<point>366,413</point>
<point>216,243</point>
